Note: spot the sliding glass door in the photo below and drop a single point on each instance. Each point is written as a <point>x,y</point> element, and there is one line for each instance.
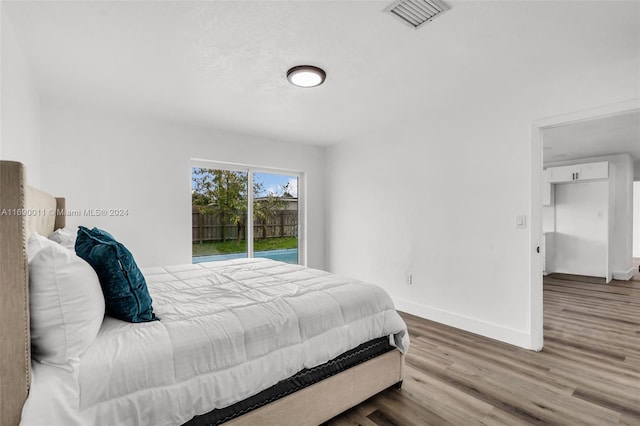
<point>219,210</point>
<point>275,217</point>
<point>244,212</point>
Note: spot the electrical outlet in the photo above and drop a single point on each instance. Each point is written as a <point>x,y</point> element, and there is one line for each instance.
<point>408,280</point>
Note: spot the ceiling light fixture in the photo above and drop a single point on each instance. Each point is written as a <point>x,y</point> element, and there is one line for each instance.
<point>306,76</point>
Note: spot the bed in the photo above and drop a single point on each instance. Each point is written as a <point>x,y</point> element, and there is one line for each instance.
<point>269,367</point>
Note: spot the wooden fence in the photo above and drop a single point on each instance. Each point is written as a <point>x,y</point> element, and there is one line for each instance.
<point>209,227</point>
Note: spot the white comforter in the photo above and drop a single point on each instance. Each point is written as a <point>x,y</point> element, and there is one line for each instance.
<point>228,330</point>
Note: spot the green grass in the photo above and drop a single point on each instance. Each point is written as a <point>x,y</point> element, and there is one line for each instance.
<point>219,247</point>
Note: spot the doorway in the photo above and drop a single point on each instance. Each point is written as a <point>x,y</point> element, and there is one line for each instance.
<point>636,219</point>
<point>538,194</point>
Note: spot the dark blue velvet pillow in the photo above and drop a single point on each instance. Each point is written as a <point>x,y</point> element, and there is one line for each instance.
<point>125,290</point>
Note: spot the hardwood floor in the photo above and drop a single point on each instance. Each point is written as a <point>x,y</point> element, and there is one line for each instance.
<point>588,372</point>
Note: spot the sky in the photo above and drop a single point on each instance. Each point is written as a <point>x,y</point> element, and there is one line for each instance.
<point>274,183</point>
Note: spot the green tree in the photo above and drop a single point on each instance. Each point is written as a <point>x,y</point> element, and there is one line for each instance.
<point>223,193</point>
<point>264,209</point>
<point>286,190</point>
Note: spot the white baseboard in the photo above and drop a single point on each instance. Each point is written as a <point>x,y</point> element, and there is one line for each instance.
<point>483,328</point>
<point>624,276</point>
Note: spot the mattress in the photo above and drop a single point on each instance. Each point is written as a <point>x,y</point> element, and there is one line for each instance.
<point>298,381</point>
<point>227,331</point>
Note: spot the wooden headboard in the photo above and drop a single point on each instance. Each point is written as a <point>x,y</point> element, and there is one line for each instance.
<point>23,210</point>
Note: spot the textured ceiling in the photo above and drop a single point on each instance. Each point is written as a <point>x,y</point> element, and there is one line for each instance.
<point>223,63</point>
<point>617,134</point>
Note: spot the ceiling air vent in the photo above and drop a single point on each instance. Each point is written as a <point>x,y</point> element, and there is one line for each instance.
<point>416,12</point>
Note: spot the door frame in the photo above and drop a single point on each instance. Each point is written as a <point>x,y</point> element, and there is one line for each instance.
<point>537,128</point>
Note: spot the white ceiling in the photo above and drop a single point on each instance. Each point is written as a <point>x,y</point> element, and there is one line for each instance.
<point>616,134</point>
<point>223,63</point>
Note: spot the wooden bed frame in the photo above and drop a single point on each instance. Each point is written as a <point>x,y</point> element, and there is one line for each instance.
<point>309,406</point>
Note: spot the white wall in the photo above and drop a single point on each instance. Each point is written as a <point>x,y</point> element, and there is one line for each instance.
<point>620,243</point>
<point>19,102</point>
<point>549,214</point>
<point>582,228</point>
<point>438,196</point>
<point>103,159</point>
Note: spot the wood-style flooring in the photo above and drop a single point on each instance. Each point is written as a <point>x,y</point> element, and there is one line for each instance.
<point>588,372</point>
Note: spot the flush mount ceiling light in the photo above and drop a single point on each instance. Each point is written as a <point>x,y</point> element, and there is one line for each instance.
<point>306,76</point>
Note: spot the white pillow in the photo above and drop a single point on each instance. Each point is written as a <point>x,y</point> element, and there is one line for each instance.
<point>36,243</point>
<point>65,237</point>
<point>67,305</point>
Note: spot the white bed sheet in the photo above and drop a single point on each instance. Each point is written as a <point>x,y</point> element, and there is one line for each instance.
<point>227,331</point>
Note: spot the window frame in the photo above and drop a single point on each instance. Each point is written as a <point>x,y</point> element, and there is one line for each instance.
<point>251,170</point>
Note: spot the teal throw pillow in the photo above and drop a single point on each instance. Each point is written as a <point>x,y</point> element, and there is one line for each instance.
<point>123,285</point>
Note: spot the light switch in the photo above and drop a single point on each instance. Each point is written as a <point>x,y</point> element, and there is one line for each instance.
<point>521,221</point>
